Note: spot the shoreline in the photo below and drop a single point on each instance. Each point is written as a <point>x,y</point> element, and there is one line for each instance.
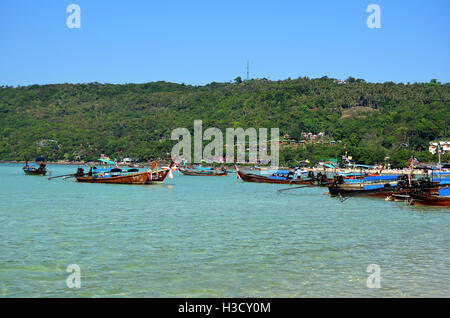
<point>47,162</point>
<point>85,163</point>
<point>161,163</point>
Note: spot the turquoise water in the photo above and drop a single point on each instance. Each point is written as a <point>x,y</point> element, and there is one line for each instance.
<point>212,237</point>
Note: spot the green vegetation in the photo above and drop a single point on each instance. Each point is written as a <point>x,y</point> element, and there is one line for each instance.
<point>373,120</point>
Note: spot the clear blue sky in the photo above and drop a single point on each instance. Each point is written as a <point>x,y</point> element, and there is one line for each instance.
<point>198,42</point>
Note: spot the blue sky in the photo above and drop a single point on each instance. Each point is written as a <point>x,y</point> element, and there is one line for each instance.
<point>198,42</point>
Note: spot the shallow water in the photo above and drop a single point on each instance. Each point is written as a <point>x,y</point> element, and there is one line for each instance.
<point>212,237</point>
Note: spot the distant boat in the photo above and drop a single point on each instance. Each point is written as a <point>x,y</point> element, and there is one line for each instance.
<point>36,169</point>
<point>203,171</point>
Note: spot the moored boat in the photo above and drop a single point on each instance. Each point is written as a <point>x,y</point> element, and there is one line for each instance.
<point>378,186</point>
<point>203,172</point>
<point>437,197</point>
<point>35,168</point>
<point>118,176</point>
<point>282,177</point>
<point>134,178</point>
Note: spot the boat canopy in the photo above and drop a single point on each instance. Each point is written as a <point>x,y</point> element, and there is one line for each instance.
<point>107,161</point>
<point>204,168</point>
<point>276,178</point>
<point>30,164</point>
<point>377,178</point>
<point>328,166</point>
<point>363,166</point>
<point>102,170</point>
<point>279,171</point>
<point>350,174</point>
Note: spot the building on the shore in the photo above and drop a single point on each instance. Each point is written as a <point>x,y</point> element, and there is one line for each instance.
<point>433,147</point>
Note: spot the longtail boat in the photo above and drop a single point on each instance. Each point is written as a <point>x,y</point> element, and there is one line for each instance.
<point>35,169</point>
<point>116,175</point>
<point>133,178</point>
<point>437,197</point>
<point>204,172</point>
<point>378,186</point>
<point>282,177</point>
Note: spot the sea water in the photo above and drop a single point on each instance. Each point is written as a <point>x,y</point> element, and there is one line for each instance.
<point>212,237</point>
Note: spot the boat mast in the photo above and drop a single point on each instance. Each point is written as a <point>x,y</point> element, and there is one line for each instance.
<point>439,155</point>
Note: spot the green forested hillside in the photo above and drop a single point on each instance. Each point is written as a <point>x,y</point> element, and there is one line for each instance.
<point>135,120</point>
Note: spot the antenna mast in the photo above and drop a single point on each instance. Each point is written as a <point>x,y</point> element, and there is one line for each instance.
<point>248,68</point>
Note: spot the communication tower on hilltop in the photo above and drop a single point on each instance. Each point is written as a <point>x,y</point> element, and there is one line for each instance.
<point>248,68</point>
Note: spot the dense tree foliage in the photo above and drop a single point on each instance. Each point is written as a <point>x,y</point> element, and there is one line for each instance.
<point>373,120</point>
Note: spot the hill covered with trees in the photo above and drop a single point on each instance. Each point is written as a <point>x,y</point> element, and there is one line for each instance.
<point>80,121</point>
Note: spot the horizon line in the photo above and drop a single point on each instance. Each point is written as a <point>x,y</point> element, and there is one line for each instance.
<point>228,82</point>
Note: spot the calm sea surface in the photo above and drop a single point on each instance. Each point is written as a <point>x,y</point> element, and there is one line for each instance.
<point>212,237</point>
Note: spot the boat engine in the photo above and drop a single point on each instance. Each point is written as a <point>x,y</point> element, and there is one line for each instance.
<point>80,172</point>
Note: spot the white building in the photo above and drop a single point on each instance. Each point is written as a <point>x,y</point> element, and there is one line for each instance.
<point>434,145</point>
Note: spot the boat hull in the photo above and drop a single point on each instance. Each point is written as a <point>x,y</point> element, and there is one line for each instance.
<point>434,200</point>
<point>384,191</point>
<point>135,178</point>
<point>212,173</point>
<point>380,192</point>
<point>36,173</point>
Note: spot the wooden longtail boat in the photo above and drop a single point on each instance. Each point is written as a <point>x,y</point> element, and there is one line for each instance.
<point>35,169</point>
<point>400,186</point>
<point>430,199</point>
<point>437,197</point>
<point>134,178</point>
<point>384,191</point>
<point>251,177</point>
<point>203,173</point>
<point>145,177</point>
